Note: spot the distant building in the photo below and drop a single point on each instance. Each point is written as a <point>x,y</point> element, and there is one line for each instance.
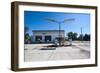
<point>46,35</point>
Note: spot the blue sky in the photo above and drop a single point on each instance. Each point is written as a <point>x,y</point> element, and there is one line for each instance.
<point>35,20</point>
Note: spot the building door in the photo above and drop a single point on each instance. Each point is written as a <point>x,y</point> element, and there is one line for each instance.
<point>47,38</point>
<point>38,38</point>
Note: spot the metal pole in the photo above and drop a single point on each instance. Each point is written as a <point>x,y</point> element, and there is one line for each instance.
<point>81,35</point>
<point>52,20</point>
<point>59,34</point>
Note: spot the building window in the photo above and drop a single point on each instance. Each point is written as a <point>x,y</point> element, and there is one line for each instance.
<point>48,38</point>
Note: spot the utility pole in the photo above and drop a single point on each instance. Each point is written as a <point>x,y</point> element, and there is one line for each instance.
<point>81,34</point>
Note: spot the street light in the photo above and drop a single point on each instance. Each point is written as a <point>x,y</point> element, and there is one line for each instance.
<point>59,22</point>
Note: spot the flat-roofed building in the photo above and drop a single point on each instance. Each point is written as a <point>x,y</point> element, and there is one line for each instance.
<point>46,35</point>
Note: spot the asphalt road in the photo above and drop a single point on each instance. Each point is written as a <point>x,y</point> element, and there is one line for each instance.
<point>37,52</point>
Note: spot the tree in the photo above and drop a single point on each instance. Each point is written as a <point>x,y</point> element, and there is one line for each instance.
<point>80,38</point>
<point>27,38</point>
<point>86,37</point>
<point>26,35</point>
<point>72,35</point>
